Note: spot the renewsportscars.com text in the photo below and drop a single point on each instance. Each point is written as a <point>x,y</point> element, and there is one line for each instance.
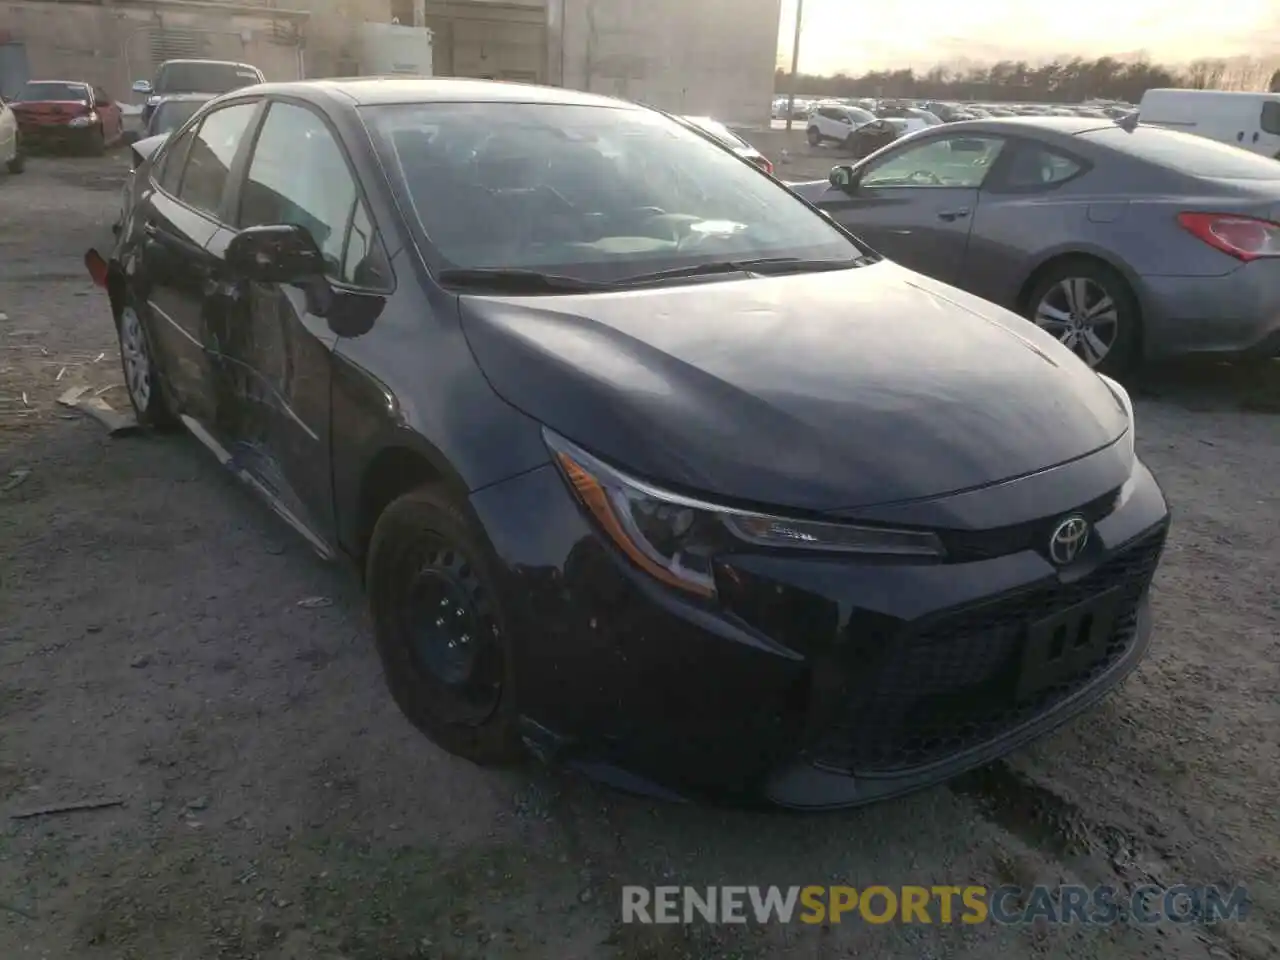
<point>973,904</point>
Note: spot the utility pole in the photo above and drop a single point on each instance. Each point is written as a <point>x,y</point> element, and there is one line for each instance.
<point>795,64</point>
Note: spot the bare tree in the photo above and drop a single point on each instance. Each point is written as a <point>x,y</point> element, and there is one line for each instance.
<point>1206,74</point>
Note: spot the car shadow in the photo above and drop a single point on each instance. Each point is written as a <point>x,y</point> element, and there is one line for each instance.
<point>1212,385</point>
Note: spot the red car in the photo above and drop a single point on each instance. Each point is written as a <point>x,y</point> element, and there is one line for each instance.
<point>67,113</point>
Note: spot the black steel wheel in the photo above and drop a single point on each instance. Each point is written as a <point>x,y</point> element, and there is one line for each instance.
<point>439,627</point>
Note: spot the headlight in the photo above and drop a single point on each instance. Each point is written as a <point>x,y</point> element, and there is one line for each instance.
<point>675,538</point>
<point>84,121</point>
<point>1122,396</point>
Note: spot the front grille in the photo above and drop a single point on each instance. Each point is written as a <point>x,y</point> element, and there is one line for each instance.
<point>966,546</point>
<point>947,684</point>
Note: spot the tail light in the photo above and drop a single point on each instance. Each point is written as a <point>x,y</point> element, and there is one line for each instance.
<point>764,164</point>
<point>97,267</point>
<point>1245,238</point>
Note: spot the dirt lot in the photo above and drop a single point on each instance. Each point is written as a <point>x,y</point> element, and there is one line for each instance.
<point>275,805</point>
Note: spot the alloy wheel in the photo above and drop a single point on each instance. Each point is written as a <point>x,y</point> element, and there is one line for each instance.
<point>137,358</point>
<point>1083,315</point>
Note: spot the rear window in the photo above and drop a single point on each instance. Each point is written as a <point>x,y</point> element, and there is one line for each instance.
<point>204,78</point>
<point>46,90</point>
<point>1186,153</point>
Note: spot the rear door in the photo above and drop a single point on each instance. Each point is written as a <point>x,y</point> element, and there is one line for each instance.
<point>274,355</point>
<point>181,215</point>
<point>917,204</point>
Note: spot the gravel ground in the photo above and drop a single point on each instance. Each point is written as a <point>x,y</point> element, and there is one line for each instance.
<point>276,806</point>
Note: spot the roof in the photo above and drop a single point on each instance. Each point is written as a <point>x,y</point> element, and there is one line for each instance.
<point>374,91</point>
<point>69,83</point>
<point>1067,126</point>
<point>185,98</point>
<point>224,63</point>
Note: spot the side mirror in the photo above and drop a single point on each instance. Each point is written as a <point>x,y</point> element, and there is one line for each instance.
<point>142,86</point>
<point>844,178</point>
<point>275,253</point>
<point>283,253</point>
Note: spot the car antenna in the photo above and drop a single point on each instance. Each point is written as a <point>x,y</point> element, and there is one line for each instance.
<point>1129,122</point>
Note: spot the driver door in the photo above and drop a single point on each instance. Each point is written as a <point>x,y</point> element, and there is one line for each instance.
<point>917,205</point>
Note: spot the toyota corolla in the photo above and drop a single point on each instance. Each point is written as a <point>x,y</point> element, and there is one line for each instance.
<point>647,465</point>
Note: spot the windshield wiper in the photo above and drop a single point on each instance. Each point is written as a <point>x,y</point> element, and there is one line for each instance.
<point>763,265</point>
<point>518,281</point>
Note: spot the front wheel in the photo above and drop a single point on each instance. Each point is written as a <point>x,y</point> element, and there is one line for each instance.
<point>1090,308</point>
<point>815,138</point>
<point>440,629</point>
<point>137,359</point>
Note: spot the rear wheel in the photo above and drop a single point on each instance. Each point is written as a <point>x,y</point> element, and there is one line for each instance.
<point>815,138</point>
<point>440,629</point>
<point>1090,308</point>
<point>138,362</point>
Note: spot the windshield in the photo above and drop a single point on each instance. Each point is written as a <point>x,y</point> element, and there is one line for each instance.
<point>1186,153</point>
<point>204,78</point>
<point>860,116</point>
<point>594,193</point>
<point>172,114</point>
<point>46,90</point>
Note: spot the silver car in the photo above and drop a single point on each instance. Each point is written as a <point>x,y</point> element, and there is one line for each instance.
<point>1126,242</point>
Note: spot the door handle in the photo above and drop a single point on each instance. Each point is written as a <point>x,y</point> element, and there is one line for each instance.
<point>1240,136</point>
<point>149,229</point>
<point>950,215</point>
<point>1255,136</point>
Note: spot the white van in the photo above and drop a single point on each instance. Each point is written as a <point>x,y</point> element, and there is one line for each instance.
<point>1249,120</point>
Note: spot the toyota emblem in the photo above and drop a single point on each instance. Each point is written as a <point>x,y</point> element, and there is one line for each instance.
<point>1068,540</point>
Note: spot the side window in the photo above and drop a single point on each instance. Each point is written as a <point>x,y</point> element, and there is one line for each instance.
<point>298,175</point>
<point>100,97</point>
<point>1036,166</point>
<point>363,264</point>
<point>943,162</point>
<point>210,154</point>
<point>169,174</point>
<point>1271,117</point>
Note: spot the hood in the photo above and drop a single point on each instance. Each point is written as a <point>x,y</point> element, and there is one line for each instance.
<point>49,111</point>
<point>818,392</point>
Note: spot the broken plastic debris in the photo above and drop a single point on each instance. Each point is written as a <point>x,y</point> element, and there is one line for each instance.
<point>310,603</point>
<point>16,477</point>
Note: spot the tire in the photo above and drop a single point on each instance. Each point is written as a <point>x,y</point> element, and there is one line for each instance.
<point>424,556</point>
<point>96,145</point>
<point>815,138</point>
<point>1116,323</point>
<point>137,360</point>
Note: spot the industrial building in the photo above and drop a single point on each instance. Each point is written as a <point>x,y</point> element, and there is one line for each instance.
<point>713,57</point>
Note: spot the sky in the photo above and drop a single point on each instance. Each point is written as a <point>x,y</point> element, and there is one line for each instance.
<point>854,36</point>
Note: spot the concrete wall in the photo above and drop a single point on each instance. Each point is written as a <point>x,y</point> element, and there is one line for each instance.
<point>486,38</point>
<point>713,57</point>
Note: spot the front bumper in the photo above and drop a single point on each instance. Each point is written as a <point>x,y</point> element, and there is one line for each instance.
<point>1235,315</point>
<point>813,682</point>
<point>55,136</point>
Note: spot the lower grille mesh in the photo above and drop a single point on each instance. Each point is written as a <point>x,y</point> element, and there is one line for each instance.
<point>947,685</point>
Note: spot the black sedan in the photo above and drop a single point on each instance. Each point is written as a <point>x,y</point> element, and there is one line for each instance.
<point>647,465</point>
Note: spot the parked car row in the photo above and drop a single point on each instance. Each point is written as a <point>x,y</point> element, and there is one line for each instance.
<point>952,111</point>
<point>82,116</point>
<point>648,465</point>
